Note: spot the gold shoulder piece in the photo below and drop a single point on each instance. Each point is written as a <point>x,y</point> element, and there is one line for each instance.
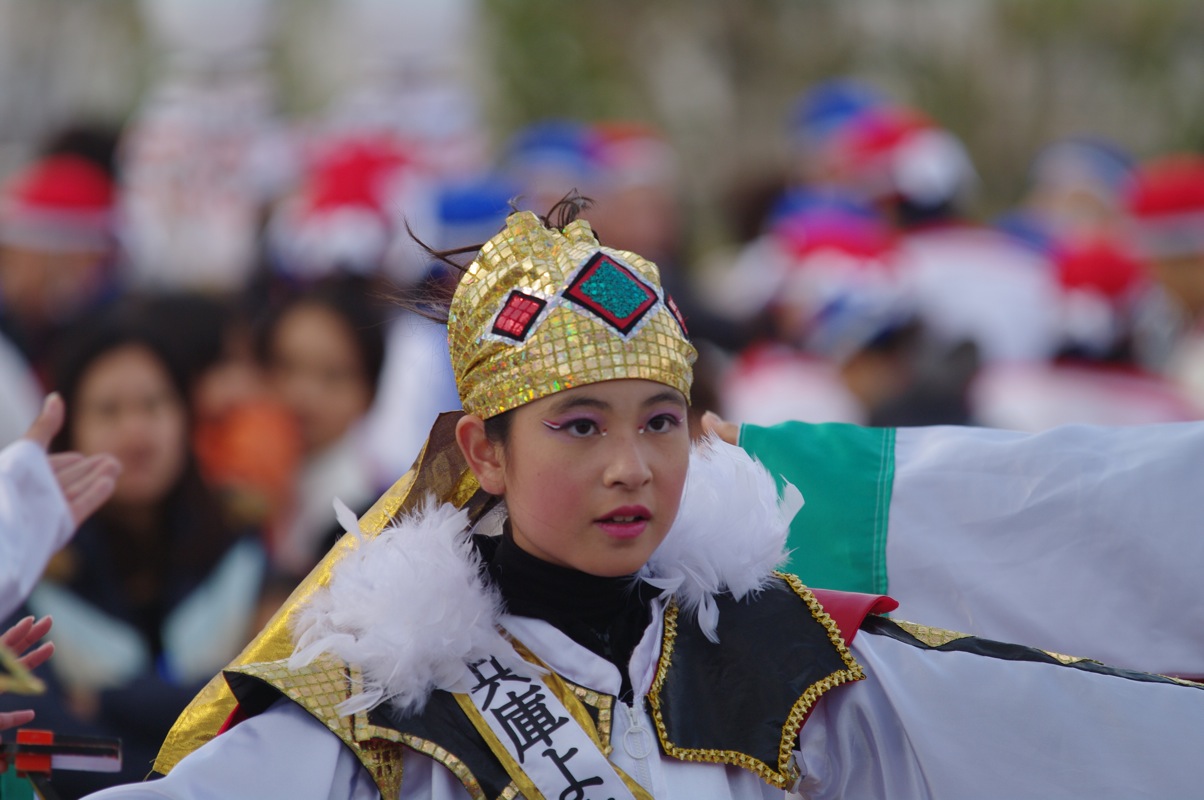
<point>319,688</point>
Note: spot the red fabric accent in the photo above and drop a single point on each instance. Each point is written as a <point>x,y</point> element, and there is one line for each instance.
<point>33,762</point>
<point>849,609</point>
<point>236,716</point>
<point>517,315</point>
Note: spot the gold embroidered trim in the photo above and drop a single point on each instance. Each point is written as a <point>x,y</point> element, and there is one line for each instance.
<point>1185,682</point>
<point>935,637</point>
<point>1065,659</point>
<point>604,703</point>
<point>786,773</point>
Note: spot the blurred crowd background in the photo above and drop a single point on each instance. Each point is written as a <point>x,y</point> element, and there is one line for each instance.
<point>985,212</point>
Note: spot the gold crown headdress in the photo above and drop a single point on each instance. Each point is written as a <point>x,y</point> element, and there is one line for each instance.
<point>542,310</point>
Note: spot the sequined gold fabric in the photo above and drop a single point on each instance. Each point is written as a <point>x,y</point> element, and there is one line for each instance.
<point>325,683</point>
<point>1062,658</point>
<point>565,345</point>
<point>319,688</point>
<point>933,637</point>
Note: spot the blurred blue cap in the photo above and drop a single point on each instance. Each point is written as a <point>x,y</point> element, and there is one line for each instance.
<point>828,105</point>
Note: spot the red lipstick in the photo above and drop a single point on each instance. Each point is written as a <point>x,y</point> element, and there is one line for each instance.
<point>625,522</point>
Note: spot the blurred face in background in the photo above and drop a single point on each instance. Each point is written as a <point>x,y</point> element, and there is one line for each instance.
<point>234,379</point>
<point>43,287</point>
<point>127,405</point>
<point>315,367</point>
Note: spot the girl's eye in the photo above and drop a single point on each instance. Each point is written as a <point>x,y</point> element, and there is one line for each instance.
<point>578,428</point>
<point>582,427</point>
<point>662,423</point>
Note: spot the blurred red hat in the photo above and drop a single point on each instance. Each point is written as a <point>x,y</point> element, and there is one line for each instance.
<point>1102,266</point>
<point>899,152</point>
<point>356,198</point>
<point>1167,204</point>
<point>61,202</point>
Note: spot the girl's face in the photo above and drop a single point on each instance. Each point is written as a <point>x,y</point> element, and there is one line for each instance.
<point>128,406</point>
<point>593,476</point>
<point>317,371</point>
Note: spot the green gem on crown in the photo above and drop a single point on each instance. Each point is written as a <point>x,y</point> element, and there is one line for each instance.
<point>614,290</point>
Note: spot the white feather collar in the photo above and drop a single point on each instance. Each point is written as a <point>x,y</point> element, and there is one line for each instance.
<point>410,606</point>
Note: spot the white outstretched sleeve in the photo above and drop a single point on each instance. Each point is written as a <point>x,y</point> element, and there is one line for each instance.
<point>35,520</point>
<point>932,724</point>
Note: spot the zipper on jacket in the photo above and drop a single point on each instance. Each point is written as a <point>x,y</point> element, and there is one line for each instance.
<point>638,742</point>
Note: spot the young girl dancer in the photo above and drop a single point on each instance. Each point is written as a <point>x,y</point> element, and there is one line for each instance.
<point>586,609</point>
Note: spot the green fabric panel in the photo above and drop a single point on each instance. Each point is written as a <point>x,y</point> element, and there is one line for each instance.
<point>846,474</point>
<point>14,788</point>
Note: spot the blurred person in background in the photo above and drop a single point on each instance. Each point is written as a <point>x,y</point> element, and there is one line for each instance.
<point>348,213</point>
<point>402,80</point>
<point>971,283</point>
<point>635,203</point>
<point>350,222</point>
<point>416,382</point>
<point>1095,377</point>
<point>1076,193</point>
<point>204,152</point>
<point>323,350</point>
<point>548,159</point>
<point>157,588</point>
<point>846,334</point>
<point>247,443</point>
<point>817,121</point>
<point>843,329</point>
<point>1167,207</point>
<point>57,250</point>
<point>1073,216</point>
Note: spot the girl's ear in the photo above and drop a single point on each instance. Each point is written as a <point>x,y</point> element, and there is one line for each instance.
<point>483,456</point>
